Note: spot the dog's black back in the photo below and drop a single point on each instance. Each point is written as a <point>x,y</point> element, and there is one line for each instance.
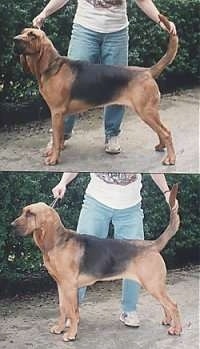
<point>105,257</point>
<point>97,84</point>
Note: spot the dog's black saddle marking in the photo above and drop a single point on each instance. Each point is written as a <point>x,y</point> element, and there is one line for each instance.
<point>97,84</point>
<point>105,257</point>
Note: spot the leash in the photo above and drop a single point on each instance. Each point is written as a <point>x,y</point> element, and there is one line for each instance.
<point>54,202</point>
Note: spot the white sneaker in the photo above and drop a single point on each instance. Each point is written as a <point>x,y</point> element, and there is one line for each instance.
<point>112,145</point>
<point>130,319</point>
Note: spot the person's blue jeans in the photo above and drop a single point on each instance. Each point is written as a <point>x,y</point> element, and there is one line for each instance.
<point>95,219</point>
<point>104,48</point>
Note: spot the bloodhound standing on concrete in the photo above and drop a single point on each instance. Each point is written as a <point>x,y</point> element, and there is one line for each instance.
<point>70,86</point>
<point>75,260</point>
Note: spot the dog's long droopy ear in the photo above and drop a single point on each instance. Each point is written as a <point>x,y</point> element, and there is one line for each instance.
<point>39,238</point>
<point>173,195</point>
<point>44,238</point>
<point>24,63</point>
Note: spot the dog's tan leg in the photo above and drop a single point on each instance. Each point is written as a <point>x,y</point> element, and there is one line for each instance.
<point>170,308</point>
<point>146,101</point>
<point>172,312</point>
<point>151,274</point>
<point>167,319</point>
<point>161,146</point>
<point>68,304</point>
<point>58,138</point>
<point>60,325</point>
<point>71,306</point>
<point>152,118</point>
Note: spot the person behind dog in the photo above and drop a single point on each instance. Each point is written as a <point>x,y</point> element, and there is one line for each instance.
<point>100,35</point>
<point>114,197</point>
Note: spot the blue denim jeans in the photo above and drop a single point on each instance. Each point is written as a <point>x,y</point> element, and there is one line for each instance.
<point>104,48</point>
<point>95,219</point>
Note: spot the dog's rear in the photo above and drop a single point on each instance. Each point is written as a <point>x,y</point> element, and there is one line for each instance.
<point>151,269</point>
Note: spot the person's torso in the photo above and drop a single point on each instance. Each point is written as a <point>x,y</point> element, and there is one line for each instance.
<point>102,16</point>
<point>115,190</point>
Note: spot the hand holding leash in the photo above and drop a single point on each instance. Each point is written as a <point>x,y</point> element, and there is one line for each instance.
<point>59,190</point>
<point>39,20</point>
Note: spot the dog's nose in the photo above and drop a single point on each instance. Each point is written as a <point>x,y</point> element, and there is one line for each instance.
<point>12,223</point>
<point>17,38</point>
<point>19,45</point>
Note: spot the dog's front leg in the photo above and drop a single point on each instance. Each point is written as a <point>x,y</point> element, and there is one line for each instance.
<point>71,306</point>
<point>58,137</point>
<point>68,303</point>
<point>59,327</point>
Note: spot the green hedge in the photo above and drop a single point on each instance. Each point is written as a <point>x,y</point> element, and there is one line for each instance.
<point>19,256</point>
<point>147,41</point>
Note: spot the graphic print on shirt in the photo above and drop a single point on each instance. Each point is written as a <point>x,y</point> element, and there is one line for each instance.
<point>117,177</point>
<point>105,3</point>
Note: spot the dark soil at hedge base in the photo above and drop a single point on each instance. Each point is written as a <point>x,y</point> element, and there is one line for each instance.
<point>21,148</point>
<point>25,321</point>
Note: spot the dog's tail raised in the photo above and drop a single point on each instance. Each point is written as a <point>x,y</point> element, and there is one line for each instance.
<point>169,56</point>
<point>174,221</point>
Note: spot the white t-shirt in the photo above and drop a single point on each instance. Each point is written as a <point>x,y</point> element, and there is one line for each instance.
<point>115,190</point>
<point>102,16</point>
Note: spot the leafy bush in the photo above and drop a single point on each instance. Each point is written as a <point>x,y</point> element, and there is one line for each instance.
<point>19,256</point>
<point>184,247</point>
<point>147,41</point>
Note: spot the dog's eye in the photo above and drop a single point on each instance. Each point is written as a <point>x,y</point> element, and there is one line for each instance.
<point>28,213</point>
<point>32,35</point>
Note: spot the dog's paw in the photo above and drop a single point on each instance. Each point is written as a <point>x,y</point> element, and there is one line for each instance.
<point>68,338</point>
<point>57,329</point>
<point>47,152</point>
<point>160,147</point>
<point>175,331</point>
<point>51,160</point>
<point>167,161</point>
<point>166,322</point>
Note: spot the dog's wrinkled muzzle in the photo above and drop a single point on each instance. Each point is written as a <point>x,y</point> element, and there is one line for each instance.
<point>19,45</point>
<point>18,228</point>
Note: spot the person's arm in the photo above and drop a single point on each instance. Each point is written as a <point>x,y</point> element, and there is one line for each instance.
<point>148,7</point>
<point>59,190</point>
<point>160,181</point>
<point>51,7</point>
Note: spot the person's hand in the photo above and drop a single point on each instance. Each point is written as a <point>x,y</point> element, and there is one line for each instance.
<point>172,27</point>
<point>59,190</point>
<point>38,21</point>
<point>167,195</point>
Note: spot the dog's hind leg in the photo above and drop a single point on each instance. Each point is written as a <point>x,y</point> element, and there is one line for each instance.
<point>146,101</point>
<point>172,312</point>
<point>151,117</point>
<point>157,289</point>
<point>160,146</point>
<point>151,274</point>
<point>167,319</point>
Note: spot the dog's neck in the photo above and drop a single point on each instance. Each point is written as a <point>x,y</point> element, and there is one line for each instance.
<point>49,236</point>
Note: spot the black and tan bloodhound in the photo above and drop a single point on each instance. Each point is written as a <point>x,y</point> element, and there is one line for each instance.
<point>76,260</point>
<point>70,86</point>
